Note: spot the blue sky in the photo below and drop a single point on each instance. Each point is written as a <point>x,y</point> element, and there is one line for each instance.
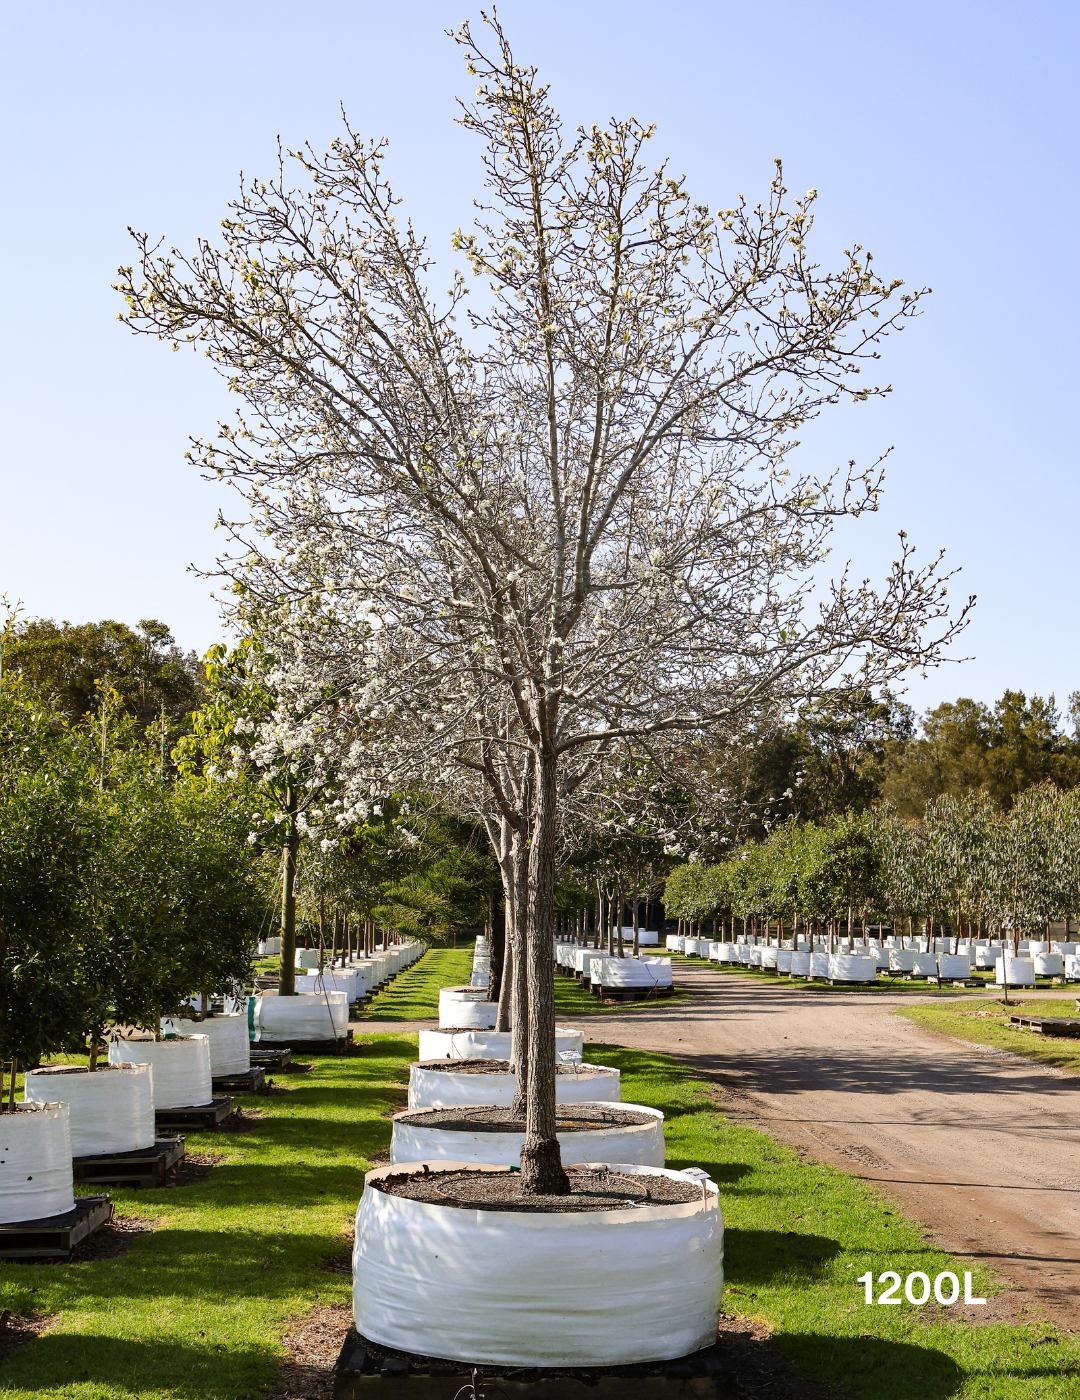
<point>942,137</point>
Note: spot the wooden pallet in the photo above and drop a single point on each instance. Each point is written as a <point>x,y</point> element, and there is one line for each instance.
<point>620,994</point>
<point>210,1115</point>
<point>145,1167</point>
<point>270,1059</point>
<point>1062,1026</point>
<point>245,1081</point>
<point>317,1047</point>
<point>55,1236</point>
<point>366,1370</point>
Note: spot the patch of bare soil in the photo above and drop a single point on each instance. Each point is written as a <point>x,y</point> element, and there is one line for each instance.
<point>18,1328</point>
<point>193,1168</point>
<point>570,1118</point>
<point>244,1120</point>
<point>489,1190</point>
<point>312,1345</point>
<point>762,1372</point>
<point>113,1239</point>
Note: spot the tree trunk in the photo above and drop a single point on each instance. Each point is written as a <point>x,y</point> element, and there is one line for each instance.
<point>637,931</point>
<point>541,1160</point>
<point>496,948</point>
<point>519,1001</point>
<point>289,853</point>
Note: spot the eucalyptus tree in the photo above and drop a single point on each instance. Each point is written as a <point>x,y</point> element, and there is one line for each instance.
<point>1022,863</point>
<point>958,836</point>
<point>582,510</point>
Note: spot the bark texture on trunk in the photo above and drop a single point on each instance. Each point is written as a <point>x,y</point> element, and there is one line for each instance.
<point>519,997</point>
<point>289,855</point>
<point>541,1160</point>
<point>496,947</point>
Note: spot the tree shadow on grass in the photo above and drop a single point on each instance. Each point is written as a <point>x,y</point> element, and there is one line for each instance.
<point>754,1258</point>
<point>119,1366</point>
<point>864,1365</point>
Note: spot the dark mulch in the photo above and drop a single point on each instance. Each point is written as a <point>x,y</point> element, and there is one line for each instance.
<point>113,1239</point>
<point>762,1372</point>
<point>570,1118</point>
<point>490,1067</point>
<point>193,1168</point>
<point>312,1346</point>
<point>589,1190</point>
<point>17,1328</point>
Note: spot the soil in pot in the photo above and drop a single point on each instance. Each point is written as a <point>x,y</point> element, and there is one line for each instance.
<point>590,1190</point>
<point>569,1118</point>
<point>484,1067</point>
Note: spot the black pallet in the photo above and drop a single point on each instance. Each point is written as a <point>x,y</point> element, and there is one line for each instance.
<point>245,1081</point>
<point>319,1047</point>
<point>55,1236</point>
<point>270,1059</point>
<point>366,1369</point>
<point>146,1166</point>
<point>209,1115</point>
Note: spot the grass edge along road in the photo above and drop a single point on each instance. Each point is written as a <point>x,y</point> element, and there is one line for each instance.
<point>987,1023</point>
<point>197,1307</point>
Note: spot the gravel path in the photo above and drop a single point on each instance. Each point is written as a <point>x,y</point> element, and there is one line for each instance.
<point>981,1146</point>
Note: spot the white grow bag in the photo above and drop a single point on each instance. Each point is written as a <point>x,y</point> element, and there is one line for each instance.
<point>783,959</point>
<point>442,1088</point>
<point>768,958</point>
<point>819,964</point>
<point>111,1110</point>
<point>1049,965</point>
<point>756,955</point>
<point>345,980</point>
<point>642,1144</point>
<point>955,966</point>
<point>278,1020</point>
<point>744,951</point>
<point>925,965</point>
<point>35,1163</point>
<point>851,967</point>
<point>307,957</point>
<point>647,937</point>
<point>800,963</point>
<point>985,958</point>
<point>181,1068</point>
<point>728,953</point>
<point>901,960</point>
<point>459,1011</point>
<point>230,1045</point>
<point>581,1289</point>
<point>1072,967</point>
<point>492,1045</point>
<point>1020,972</point>
<point>674,942</point>
<point>696,947</point>
<point>630,973</point>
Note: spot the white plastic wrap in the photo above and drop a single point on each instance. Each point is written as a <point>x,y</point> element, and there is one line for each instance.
<point>850,967</point>
<point>1049,965</point>
<point>111,1110</point>
<point>925,965</point>
<point>819,964</point>
<point>985,958</point>
<point>756,956</point>
<point>901,960</point>
<point>307,957</point>
<point>442,1088</point>
<point>492,1045</point>
<point>642,1143</point>
<point>272,947</point>
<point>230,1044</point>
<point>881,957</point>
<point>281,1019</point>
<point>1072,966</point>
<point>696,947</point>
<point>768,957</point>
<point>647,938</point>
<point>800,963</point>
<point>582,1289</point>
<point>954,966</point>
<point>727,953</point>
<point>35,1163</point>
<point>590,964</point>
<point>674,942</point>
<point>743,950</point>
<point>181,1068</point>
<point>346,980</point>
<point>660,968</point>
<point>1020,972</point>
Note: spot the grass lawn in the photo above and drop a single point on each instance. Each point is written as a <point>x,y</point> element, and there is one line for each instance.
<point>196,1309</point>
<point>987,1023</point>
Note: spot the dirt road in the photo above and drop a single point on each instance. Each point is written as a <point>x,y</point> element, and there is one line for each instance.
<point>981,1147</point>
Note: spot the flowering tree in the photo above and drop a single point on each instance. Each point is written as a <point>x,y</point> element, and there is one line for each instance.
<point>581,513</point>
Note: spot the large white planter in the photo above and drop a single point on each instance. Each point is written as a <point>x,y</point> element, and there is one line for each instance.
<point>279,1020</point>
<point>647,937</point>
<point>307,957</point>
<point>431,1087</point>
<point>466,1008</point>
<point>819,964</point>
<point>35,1163</point>
<point>230,1044</point>
<point>901,960</point>
<point>851,967</point>
<point>1018,972</point>
<point>768,958</point>
<point>646,974</point>
<point>491,1045</point>
<point>800,963</point>
<point>696,947</point>
<point>1072,967</point>
<point>985,958</point>
<point>674,942</point>
<point>783,959</point>
<point>728,953</point>
<point>545,1289</point>
<point>744,951</point>
<point>925,965</point>
<point>642,1144</point>
<point>954,966</point>
<point>111,1110</point>
<point>1049,965</point>
<point>346,980</point>
<point>181,1068</point>
<point>756,956</point>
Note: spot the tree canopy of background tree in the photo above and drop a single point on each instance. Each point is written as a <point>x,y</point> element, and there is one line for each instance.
<point>502,553</point>
<point>65,662</point>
